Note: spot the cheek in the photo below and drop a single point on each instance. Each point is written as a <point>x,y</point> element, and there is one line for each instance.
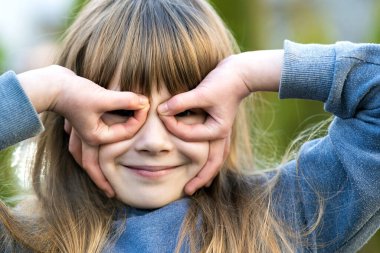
<point>109,152</point>
<point>196,152</point>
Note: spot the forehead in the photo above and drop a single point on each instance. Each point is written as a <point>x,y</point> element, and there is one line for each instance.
<point>159,96</point>
<point>158,89</point>
<point>156,96</point>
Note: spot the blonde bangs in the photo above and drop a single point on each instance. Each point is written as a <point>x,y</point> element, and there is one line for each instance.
<point>151,43</point>
<point>169,46</point>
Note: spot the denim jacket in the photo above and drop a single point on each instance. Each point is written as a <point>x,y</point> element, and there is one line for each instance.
<point>339,172</point>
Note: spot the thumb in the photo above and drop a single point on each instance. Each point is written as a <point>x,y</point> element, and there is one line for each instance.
<point>116,100</point>
<point>181,102</point>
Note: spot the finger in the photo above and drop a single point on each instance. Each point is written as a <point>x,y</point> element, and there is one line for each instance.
<point>91,166</point>
<point>210,169</point>
<point>67,127</point>
<point>182,102</point>
<point>209,130</point>
<point>227,144</point>
<point>94,131</point>
<point>75,147</point>
<point>126,130</point>
<point>119,100</point>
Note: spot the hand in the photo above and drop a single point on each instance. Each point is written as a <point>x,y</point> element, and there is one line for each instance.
<point>83,103</point>
<point>87,157</point>
<point>212,166</point>
<point>220,94</point>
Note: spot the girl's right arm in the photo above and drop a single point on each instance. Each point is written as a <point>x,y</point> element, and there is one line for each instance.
<point>79,100</point>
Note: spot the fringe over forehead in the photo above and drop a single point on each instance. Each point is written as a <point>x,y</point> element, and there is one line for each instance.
<point>175,43</point>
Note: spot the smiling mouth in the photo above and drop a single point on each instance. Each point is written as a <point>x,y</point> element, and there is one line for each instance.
<point>151,171</point>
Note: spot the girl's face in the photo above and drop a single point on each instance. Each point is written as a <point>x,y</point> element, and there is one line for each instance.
<point>151,169</point>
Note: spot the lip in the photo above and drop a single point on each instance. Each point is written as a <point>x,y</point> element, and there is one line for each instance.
<point>151,171</point>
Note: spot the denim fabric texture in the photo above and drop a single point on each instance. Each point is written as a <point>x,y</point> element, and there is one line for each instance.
<point>18,119</point>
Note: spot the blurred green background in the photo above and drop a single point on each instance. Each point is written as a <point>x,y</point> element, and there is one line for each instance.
<point>264,24</point>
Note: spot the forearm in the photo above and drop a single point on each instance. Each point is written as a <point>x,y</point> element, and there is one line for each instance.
<point>42,86</point>
<point>261,70</point>
<point>18,119</point>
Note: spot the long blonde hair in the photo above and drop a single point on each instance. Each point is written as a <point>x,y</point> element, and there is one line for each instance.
<point>174,43</point>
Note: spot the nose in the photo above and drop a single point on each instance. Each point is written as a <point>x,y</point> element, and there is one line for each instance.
<point>153,138</point>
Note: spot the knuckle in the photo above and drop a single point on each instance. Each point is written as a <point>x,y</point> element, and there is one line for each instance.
<point>92,138</point>
<point>178,103</point>
<point>216,162</point>
<point>201,93</point>
<point>174,102</point>
<point>71,147</point>
<point>224,131</point>
<point>67,127</point>
<point>86,164</point>
<point>131,99</point>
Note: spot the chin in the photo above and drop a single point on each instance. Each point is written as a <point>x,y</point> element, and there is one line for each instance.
<point>151,201</point>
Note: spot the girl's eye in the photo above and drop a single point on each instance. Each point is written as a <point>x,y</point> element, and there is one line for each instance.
<point>193,116</point>
<point>117,116</point>
<point>122,113</point>
<point>185,113</point>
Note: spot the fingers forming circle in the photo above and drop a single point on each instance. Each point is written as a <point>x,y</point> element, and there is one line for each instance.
<point>90,161</point>
<point>209,171</point>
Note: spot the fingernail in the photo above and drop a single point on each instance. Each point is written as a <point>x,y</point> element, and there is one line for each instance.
<point>143,100</point>
<point>163,109</point>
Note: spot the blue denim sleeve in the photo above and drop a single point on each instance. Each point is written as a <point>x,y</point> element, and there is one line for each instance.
<point>337,176</point>
<point>18,118</point>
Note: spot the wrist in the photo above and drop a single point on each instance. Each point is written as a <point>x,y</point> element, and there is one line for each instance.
<point>40,87</point>
<point>232,68</point>
<point>60,79</point>
<point>261,70</point>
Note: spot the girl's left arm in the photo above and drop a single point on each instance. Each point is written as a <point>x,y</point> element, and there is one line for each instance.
<point>337,176</point>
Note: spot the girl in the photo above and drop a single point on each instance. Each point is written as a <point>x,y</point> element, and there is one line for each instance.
<point>326,200</point>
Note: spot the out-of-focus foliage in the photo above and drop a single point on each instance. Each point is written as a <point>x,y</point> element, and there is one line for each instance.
<point>76,7</point>
<point>240,16</point>
<point>9,186</point>
<point>9,183</point>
